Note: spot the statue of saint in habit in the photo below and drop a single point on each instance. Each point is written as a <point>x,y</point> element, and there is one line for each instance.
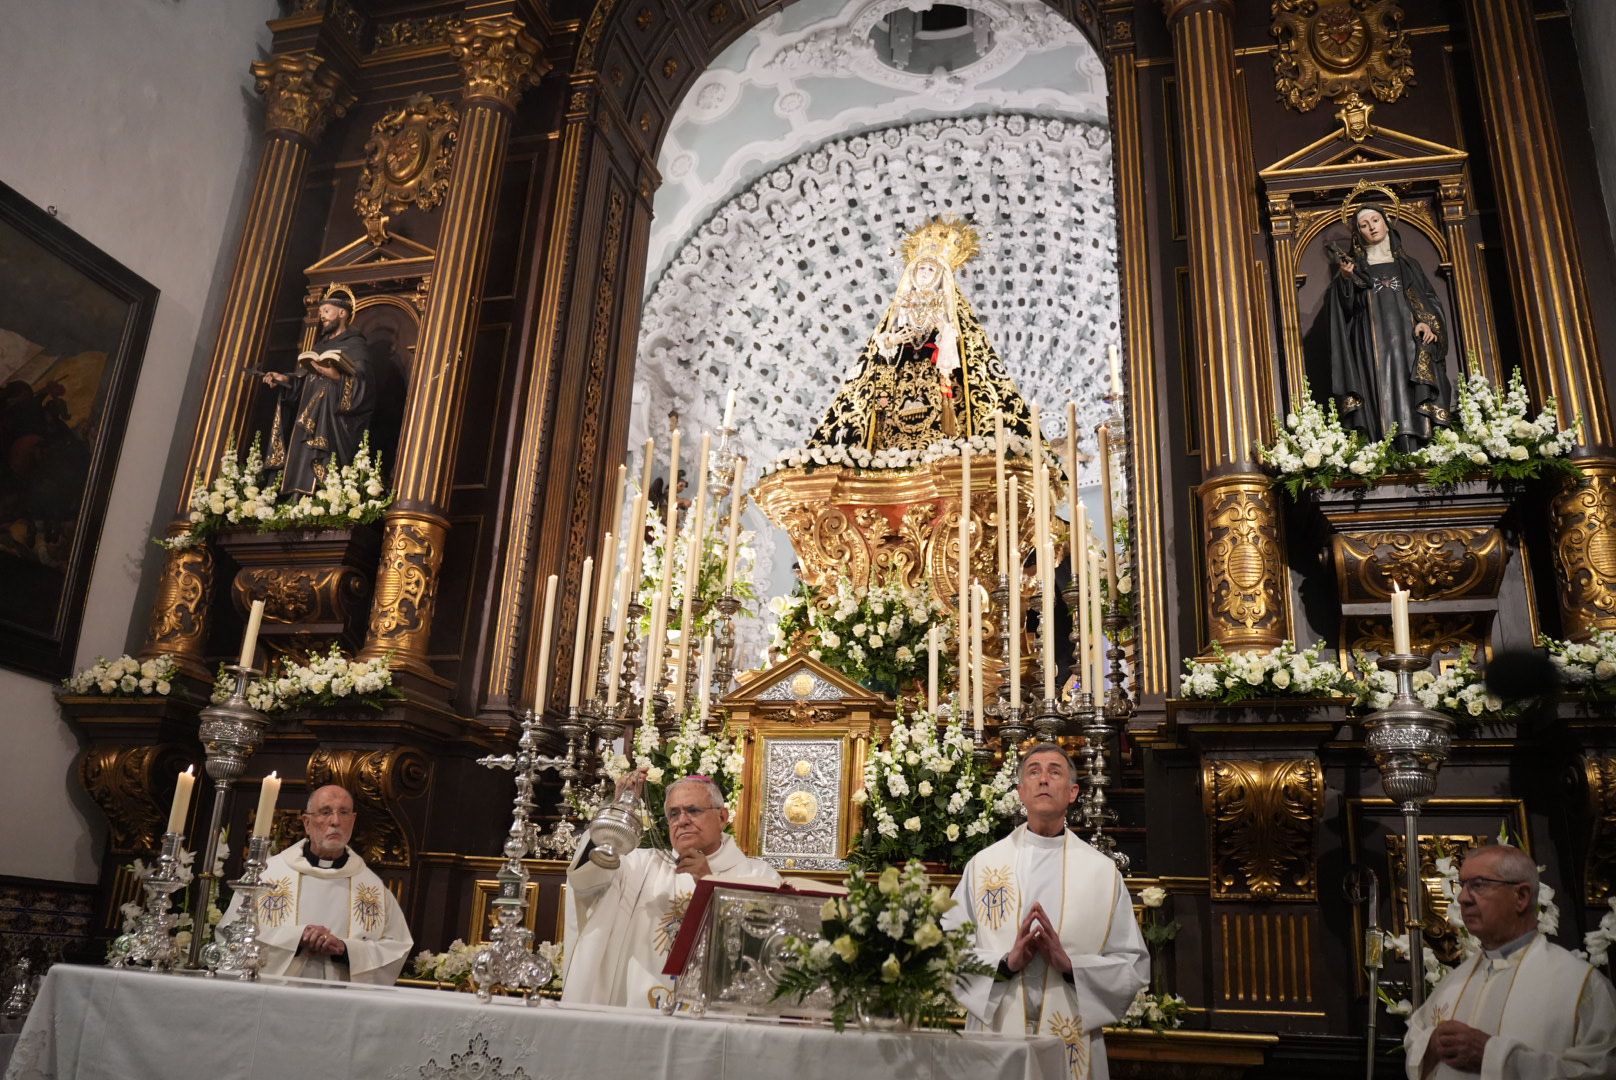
<point>927,372</point>
<point>1388,337</point>
<point>326,405</point>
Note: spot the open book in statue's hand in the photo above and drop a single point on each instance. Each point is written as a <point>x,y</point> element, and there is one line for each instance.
<point>331,357</point>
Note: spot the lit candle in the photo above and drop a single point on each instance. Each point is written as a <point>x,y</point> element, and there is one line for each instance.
<point>1013,538</point>
<point>580,637</point>
<point>704,688</point>
<point>1108,541</point>
<point>546,626</point>
<point>729,410</point>
<point>931,669</point>
<point>1096,627</point>
<point>737,497</point>
<point>269,794</point>
<point>601,608</point>
<point>1116,371</point>
<point>1400,638</point>
<point>1047,618</point>
<point>965,579</point>
<point>181,806</point>
<point>998,492</point>
<point>249,643</point>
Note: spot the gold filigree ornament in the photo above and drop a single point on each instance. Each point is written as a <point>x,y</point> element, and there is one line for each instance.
<point>667,927</point>
<point>1335,48</point>
<point>996,897</point>
<point>1358,198</point>
<point>948,240</point>
<point>408,159</point>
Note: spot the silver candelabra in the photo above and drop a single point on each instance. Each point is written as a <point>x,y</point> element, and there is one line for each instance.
<point>151,941</point>
<point>236,953</point>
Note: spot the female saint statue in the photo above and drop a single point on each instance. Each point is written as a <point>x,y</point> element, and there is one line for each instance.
<point>928,372</point>
<point>1388,337</point>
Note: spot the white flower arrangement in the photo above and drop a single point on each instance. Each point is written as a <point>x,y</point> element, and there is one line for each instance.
<point>1313,450</point>
<point>924,796</point>
<point>351,495</point>
<point>1279,672</point>
<point>1461,692</point>
<point>124,677</point>
<point>1586,665</point>
<point>184,873</point>
<point>322,680</point>
<point>1157,1010</point>
<point>709,577</point>
<point>876,636</point>
<point>810,458</point>
<point>453,966</point>
<point>1597,942</point>
<point>1493,437</point>
<point>693,751</point>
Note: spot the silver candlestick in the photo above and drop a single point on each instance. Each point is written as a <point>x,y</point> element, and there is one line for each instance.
<point>231,732</point>
<point>1408,744</point>
<point>1048,720</point>
<point>1096,811</point>
<point>1013,731</point>
<point>508,959</point>
<point>151,942</point>
<point>1118,702</point>
<point>724,644</point>
<point>235,953</point>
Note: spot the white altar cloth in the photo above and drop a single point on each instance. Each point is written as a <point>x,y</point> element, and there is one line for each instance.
<point>98,1024</point>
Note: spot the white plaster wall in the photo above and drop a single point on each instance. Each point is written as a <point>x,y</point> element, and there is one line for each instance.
<point>1594,22</point>
<point>136,119</point>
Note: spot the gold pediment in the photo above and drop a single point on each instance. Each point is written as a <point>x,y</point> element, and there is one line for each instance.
<point>397,258</point>
<point>800,680</point>
<point>1340,157</point>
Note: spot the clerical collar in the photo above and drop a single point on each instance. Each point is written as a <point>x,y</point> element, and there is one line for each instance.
<point>324,864</point>
<point>1509,948</point>
<point>1040,840</point>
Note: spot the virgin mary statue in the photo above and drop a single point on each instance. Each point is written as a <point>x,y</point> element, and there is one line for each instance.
<point>927,372</point>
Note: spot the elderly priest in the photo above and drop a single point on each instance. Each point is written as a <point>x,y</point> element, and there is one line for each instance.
<point>1521,1008</point>
<point>326,915</point>
<point>624,921</point>
<point>1053,915</point>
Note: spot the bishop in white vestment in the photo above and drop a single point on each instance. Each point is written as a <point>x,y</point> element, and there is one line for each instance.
<point>1522,1008</point>
<point>1052,914</point>
<point>622,923</point>
<point>326,915</point>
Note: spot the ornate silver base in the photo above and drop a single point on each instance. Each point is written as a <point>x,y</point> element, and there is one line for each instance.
<point>151,943</point>
<point>235,953</point>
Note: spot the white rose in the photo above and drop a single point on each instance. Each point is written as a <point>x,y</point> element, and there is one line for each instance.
<point>912,824</point>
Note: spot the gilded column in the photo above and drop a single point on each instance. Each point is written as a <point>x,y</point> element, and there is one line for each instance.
<point>301,94</point>
<point>1551,298</point>
<point>1245,568</point>
<point>1154,664</point>
<point>498,60</point>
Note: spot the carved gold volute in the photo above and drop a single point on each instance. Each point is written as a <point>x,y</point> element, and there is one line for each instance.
<point>498,58</point>
<point>1263,815</point>
<point>179,617</point>
<point>407,162</point>
<point>1343,50</point>
<point>301,93</point>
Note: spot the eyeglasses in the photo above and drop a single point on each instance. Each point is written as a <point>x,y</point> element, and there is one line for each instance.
<point>679,813</point>
<point>328,813</point>
<point>1481,884</point>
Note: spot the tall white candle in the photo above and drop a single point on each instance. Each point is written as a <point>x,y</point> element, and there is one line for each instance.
<point>647,459</point>
<point>1080,573</point>
<point>269,793</point>
<point>1400,636</point>
<point>964,573</point>
<point>1097,628</point>
<point>737,498</point>
<point>704,688</point>
<point>249,642</point>
<point>1108,541</point>
<point>932,647</point>
<point>600,608</point>
<point>673,489</point>
<point>1116,371</point>
<point>693,553</point>
<point>546,627</point>
<point>580,636</point>
<point>1047,619</point>
<point>1073,502</point>
<point>978,682</point>
<point>729,410</point>
<point>998,492</point>
<point>180,808</point>
<point>1013,537</point>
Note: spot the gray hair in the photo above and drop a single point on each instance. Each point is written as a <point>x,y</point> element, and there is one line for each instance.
<point>1513,863</point>
<point>308,807</point>
<point>1047,748</point>
<point>715,795</point>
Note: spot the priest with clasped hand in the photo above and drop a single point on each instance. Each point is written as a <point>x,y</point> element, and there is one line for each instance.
<point>1052,914</point>
<point>1522,1008</point>
<point>621,923</point>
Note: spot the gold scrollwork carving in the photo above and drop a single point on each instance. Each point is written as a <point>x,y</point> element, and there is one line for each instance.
<point>379,781</point>
<point>1584,518</point>
<point>1437,563</point>
<point>123,781</point>
<point>301,93</point>
<point>498,58</point>
<point>179,619</point>
<point>406,586</point>
<point>1440,636</point>
<point>1339,49</point>
<point>1599,877</point>
<point>407,162</point>
<point>1263,815</point>
<point>293,595</point>
<point>422,30</point>
<point>1245,569</point>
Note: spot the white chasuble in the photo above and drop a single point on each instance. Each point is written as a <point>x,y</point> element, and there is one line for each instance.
<point>349,900</point>
<point>1550,1016</point>
<point>621,923</point>
<point>1087,902</point>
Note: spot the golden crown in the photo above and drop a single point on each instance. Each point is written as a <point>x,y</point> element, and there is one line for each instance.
<point>948,240</point>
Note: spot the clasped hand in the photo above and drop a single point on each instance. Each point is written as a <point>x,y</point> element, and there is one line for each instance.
<point>1038,937</point>
<point>320,942</point>
<point>1458,1045</point>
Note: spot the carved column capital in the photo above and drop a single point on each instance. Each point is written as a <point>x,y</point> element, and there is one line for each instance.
<point>1174,10</point>
<point>1263,814</point>
<point>498,58</point>
<point>1583,518</point>
<point>301,93</point>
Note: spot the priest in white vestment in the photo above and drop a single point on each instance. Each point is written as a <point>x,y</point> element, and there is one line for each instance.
<point>622,922</point>
<point>1522,1008</point>
<point>326,915</point>
<point>1052,915</point>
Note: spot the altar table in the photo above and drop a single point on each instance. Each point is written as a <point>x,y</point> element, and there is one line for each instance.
<point>96,1023</point>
